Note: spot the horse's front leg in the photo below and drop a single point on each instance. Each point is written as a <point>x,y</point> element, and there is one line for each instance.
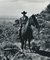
<point>22,43</point>
<point>29,43</point>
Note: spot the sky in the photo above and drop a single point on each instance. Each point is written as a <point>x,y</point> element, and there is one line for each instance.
<point>13,8</point>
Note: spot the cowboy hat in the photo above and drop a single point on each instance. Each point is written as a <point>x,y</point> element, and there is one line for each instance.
<point>23,12</point>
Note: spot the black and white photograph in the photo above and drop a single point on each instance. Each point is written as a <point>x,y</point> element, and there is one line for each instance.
<point>24,29</point>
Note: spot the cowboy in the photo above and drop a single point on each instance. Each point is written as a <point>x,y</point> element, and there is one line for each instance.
<point>23,20</point>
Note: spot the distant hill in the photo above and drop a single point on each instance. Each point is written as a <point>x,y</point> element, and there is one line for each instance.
<point>7,19</point>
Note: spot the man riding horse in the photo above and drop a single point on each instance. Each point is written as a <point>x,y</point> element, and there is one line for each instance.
<point>22,23</point>
<point>25,31</point>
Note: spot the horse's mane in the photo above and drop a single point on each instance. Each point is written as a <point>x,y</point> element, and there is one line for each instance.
<point>26,24</point>
<point>35,21</point>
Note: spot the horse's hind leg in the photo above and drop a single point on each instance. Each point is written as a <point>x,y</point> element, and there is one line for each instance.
<point>25,44</point>
<point>22,44</point>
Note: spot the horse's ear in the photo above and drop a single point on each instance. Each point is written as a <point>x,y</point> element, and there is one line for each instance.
<point>33,16</point>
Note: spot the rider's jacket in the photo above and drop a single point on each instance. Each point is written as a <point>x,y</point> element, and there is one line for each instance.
<point>23,21</point>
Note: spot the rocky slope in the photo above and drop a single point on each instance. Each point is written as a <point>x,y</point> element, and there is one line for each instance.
<point>8,35</point>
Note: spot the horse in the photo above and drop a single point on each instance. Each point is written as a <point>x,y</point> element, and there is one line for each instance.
<point>26,33</point>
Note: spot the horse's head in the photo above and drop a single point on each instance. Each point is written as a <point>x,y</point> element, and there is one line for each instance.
<point>33,21</point>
